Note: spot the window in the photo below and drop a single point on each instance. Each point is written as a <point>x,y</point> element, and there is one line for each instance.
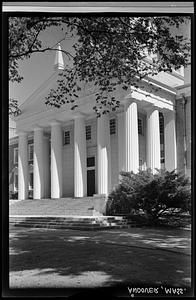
<point>161,125</point>
<point>15,182</point>
<point>162,153</point>
<point>15,155</point>
<point>112,126</point>
<point>162,157</point>
<point>66,137</point>
<point>88,132</point>
<point>30,152</point>
<point>91,161</point>
<point>140,164</point>
<point>161,139</point>
<point>31,181</point>
<point>161,128</point>
<point>140,126</point>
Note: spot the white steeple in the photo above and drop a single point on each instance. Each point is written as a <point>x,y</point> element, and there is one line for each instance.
<point>59,63</point>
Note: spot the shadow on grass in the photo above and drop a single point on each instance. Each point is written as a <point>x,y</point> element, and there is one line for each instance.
<point>69,253</point>
<point>170,239</point>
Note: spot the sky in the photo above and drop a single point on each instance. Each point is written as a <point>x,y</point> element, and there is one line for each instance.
<point>38,68</point>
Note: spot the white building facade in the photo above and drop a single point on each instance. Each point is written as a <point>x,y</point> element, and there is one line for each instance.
<point>64,153</point>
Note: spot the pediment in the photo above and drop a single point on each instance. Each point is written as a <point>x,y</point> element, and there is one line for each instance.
<point>35,103</point>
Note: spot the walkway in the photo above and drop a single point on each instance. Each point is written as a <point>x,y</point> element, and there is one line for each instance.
<point>70,258</point>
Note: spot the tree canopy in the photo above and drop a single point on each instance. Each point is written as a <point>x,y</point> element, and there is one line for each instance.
<point>110,51</point>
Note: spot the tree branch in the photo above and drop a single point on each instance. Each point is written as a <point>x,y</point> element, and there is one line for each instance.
<point>40,50</point>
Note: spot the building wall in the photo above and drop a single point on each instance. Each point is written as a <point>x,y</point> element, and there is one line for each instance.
<point>188,135</point>
<point>11,156</point>
<point>68,156</point>
<point>114,157</point>
<point>142,141</point>
<point>11,166</point>
<point>183,134</point>
<point>68,164</point>
<point>68,150</point>
<point>47,177</point>
<point>91,145</point>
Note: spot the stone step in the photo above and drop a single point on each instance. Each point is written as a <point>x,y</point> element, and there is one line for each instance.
<point>61,206</point>
<point>55,224</point>
<point>65,222</point>
<point>83,223</point>
<point>92,227</point>
<point>72,226</point>
<point>69,225</point>
<point>70,219</point>
<point>68,222</point>
<point>67,217</point>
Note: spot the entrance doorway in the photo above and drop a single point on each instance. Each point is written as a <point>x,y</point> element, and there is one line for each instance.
<point>90,176</point>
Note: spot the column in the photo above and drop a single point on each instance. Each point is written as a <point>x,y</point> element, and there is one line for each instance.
<point>56,160</point>
<point>80,175</point>
<point>23,172</point>
<point>38,164</point>
<point>170,141</point>
<point>131,137</point>
<point>103,154</point>
<point>121,141</point>
<point>153,140</point>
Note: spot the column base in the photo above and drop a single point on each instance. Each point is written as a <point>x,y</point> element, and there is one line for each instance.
<point>100,195</point>
<point>99,204</point>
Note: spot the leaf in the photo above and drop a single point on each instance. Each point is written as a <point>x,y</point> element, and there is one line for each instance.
<point>109,51</point>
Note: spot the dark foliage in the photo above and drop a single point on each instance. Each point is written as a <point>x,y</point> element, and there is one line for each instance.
<point>109,52</point>
<point>157,196</point>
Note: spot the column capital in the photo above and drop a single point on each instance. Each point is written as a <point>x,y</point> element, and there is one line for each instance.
<point>38,128</point>
<point>120,114</point>
<point>152,108</point>
<point>79,115</point>
<point>55,123</point>
<point>168,112</point>
<point>127,101</point>
<point>22,133</point>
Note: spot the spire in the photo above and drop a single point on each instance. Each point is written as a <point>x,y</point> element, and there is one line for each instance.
<point>59,63</point>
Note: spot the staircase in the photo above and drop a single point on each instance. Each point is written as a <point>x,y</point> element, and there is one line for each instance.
<point>71,222</point>
<point>61,207</point>
<point>65,213</point>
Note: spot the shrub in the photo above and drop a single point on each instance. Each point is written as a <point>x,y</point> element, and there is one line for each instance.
<point>156,195</point>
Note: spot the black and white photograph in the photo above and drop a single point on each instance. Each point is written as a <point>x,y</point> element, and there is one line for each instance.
<point>98,149</point>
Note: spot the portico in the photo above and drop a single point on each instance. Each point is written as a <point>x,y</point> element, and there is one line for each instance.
<point>127,138</point>
<point>63,148</point>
